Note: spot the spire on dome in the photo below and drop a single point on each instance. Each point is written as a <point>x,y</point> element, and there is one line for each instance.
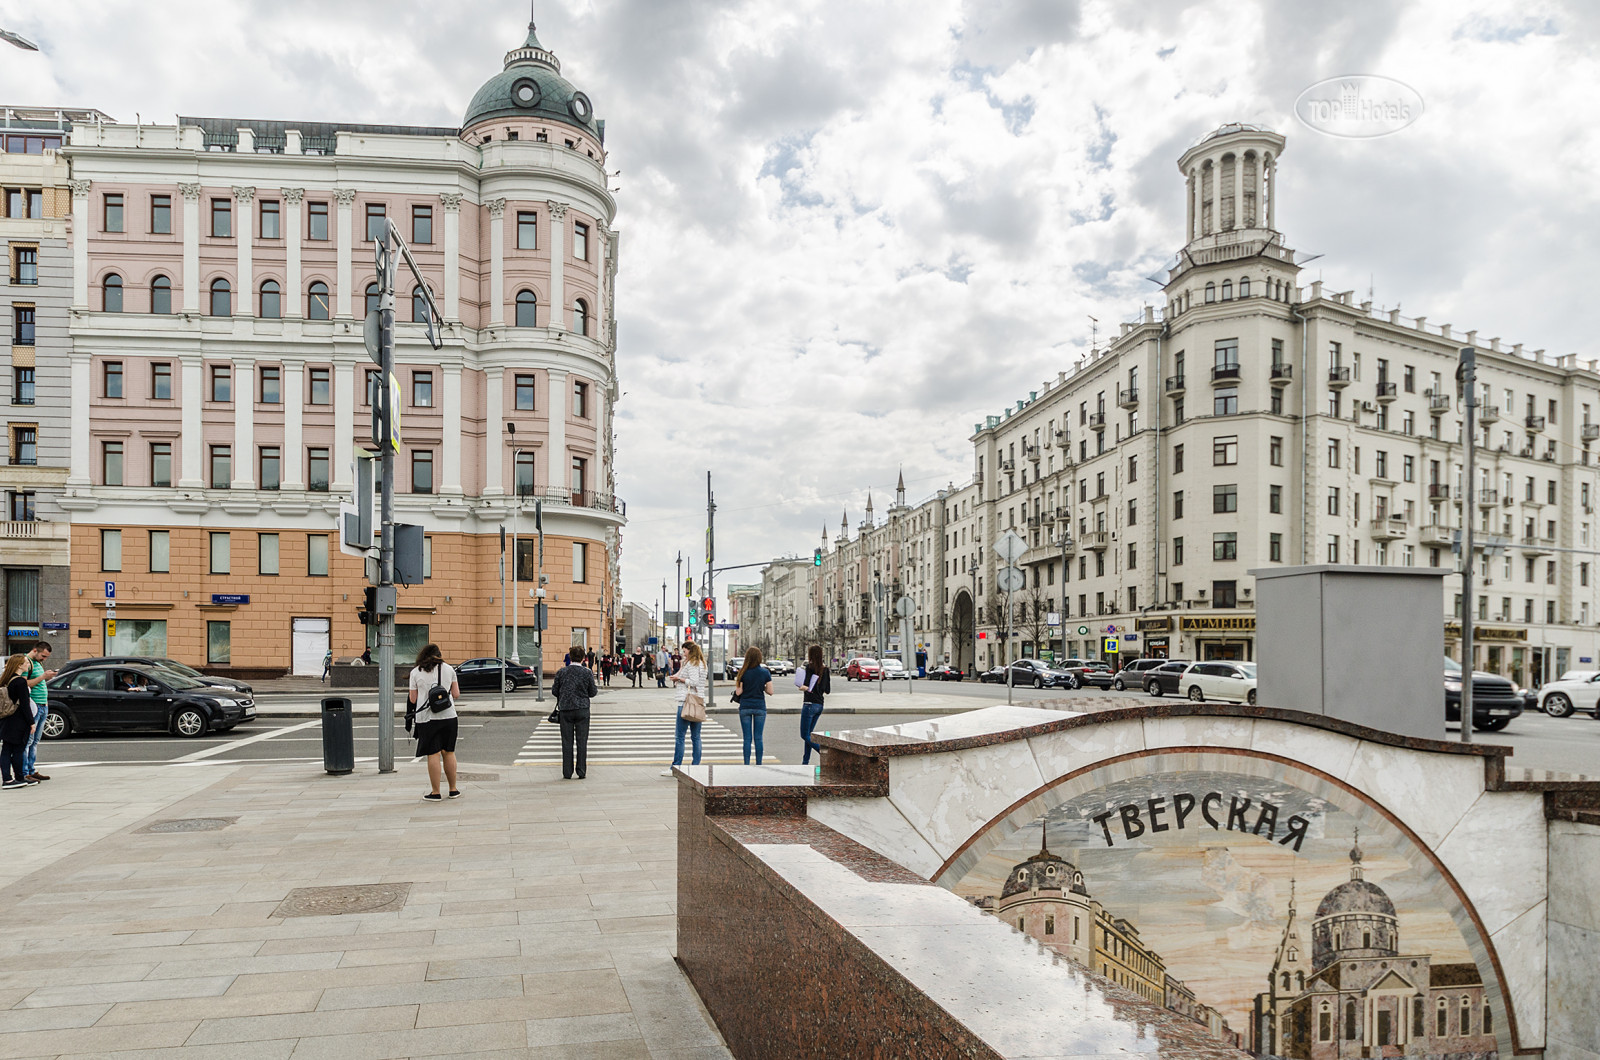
<point>1355,856</point>
<point>1044,837</point>
<point>532,51</point>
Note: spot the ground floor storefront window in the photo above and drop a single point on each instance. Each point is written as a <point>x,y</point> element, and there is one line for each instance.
<point>219,643</point>
<point>136,636</point>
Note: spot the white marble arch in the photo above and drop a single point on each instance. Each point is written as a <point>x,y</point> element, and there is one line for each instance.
<point>1484,852</point>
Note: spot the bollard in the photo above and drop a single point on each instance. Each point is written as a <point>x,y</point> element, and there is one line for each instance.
<point>338,736</point>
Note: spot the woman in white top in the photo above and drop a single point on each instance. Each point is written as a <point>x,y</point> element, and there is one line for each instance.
<point>436,729</point>
<point>691,677</point>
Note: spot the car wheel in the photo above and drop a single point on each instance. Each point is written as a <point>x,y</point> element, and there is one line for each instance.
<point>1557,705</point>
<point>1154,688</point>
<point>1491,724</point>
<point>1195,695</point>
<point>56,725</point>
<point>1038,682</point>
<point>1251,698</point>
<point>510,684</point>
<point>1072,681</point>
<point>1119,686</point>
<point>189,723</point>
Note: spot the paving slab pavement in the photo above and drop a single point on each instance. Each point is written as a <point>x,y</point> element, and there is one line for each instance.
<point>538,921</point>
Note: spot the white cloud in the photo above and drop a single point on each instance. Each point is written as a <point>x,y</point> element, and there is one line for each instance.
<point>851,230</point>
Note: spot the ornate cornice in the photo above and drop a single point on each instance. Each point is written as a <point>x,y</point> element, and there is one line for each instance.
<point>80,188</point>
<point>191,192</point>
<point>292,196</point>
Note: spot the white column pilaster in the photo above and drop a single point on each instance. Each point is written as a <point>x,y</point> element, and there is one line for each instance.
<point>293,296</point>
<point>80,362</point>
<point>557,465</point>
<point>294,457</point>
<point>80,242</point>
<point>191,249</point>
<point>494,405</point>
<point>244,424</point>
<point>497,261</point>
<point>558,258</point>
<point>244,297</point>
<point>192,474</point>
<point>452,254</point>
<point>451,402</point>
<point>346,198</point>
<point>1272,195</point>
<point>344,425</point>
<point>1194,204</point>
<point>1238,192</point>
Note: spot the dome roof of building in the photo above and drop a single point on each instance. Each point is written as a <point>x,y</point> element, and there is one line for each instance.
<point>1356,895</point>
<point>1046,871</point>
<point>531,86</point>
<point>1231,128</point>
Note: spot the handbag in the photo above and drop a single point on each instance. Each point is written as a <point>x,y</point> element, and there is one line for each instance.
<point>694,707</point>
<point>9,706</point>
<point>439,696</point>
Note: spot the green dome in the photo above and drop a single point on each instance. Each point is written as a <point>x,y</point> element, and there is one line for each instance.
<point>531,86</point>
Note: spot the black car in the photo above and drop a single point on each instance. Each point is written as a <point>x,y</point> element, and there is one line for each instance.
<point>162,662</point>
<point>1165,678</point>
<point>1132,675</point>
<point>484,675</point>
<point>1495,700</point>
<point>1082,673</point>
<point>129,698</point>
<point>946,673</point>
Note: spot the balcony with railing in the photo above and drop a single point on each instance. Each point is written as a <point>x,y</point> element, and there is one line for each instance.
<point>1097,421</point>
<point>1280,373</point>
<point>1225,374</point>
<point>1438,404</point>
<point>1488,498</point>
<point>1175,385</point>
<point>1438,491</point>
<point>590,499</point>
<point>1533,423</point>
<point>1538,546</point>
<point>1591,431</point>
<point>1128,398</point>
<point>1338,378</point>
<point>1096,540</point>
<point>1388,391</point>
<point>1388,528</point>
<point>1437,535</point>
<point>1488,413</point>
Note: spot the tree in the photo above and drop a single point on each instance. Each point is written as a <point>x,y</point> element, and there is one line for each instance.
<point>1034,616</point>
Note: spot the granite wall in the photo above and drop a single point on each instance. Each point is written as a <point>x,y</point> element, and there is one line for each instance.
<point>1574,1005</point>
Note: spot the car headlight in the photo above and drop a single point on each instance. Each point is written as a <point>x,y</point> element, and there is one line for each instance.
<point>1452,686</point>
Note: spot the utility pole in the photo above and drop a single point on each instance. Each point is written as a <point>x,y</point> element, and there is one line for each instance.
<point>711,555</point>
<point>500,649</point>
<point>680,602</point>
<point>541,613</point>
<point>1467,373</point>
<point>516,591</point>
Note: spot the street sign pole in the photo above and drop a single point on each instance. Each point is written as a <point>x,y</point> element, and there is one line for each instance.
<point>1467,373</point>
<point>1009,548</point>
<point>500,648</point>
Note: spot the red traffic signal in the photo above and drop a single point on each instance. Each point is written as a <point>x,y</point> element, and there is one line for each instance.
<point>708,610</point>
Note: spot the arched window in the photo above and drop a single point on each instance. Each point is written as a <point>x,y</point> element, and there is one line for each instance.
<point>317,307</point>
<point>1300,980</point>
<point>111,293</point>
<point>271,300</point>
<point>221,298</point>
<point>1466,1018</point>
<point>527,309</point>
<point>1441,1020</point>
<point>1286,982</point>
<point>580,317</point>
<point>1227,290</point>
<point>1211,292</point>
<point>1244,287</point>
<point>419,306</point>
<point>372,298</point>
<point>1488,1019</point>
<point>1419,1018</point>
<point>1325,1023</point>
<point>161,295</point>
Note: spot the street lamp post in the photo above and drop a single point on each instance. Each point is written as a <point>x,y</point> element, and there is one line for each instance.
<point>516,592</point>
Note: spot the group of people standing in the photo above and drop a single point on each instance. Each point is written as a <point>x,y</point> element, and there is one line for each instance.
<point>23,684</point>
<point>638,667</point>
<point>752,684</point>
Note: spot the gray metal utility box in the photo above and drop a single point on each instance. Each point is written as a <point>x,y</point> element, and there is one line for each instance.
<point>1365,644</point>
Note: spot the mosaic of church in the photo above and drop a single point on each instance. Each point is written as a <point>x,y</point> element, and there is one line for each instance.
<point>1260,912</point>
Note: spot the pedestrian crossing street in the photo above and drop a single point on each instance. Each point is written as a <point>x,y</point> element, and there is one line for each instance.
<point>636,739</point>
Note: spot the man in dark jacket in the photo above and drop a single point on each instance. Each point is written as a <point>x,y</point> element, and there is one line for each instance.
<point>573,687</point>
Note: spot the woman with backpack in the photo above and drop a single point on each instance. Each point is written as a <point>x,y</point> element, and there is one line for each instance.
<point>751,687</point>
<point>433,706</point>
<point>16,722</point>
<point>814,682</point>
<point>692,676</point>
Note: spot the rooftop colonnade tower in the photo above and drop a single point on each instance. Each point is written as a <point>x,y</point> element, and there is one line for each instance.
<point>222,270</point>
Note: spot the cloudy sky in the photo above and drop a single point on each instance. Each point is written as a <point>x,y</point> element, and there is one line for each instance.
<point>853,228</point>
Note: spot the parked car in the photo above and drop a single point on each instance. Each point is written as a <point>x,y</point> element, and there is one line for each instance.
<point>1132,675</point>
<point>129,698</point>
<point>946,672</point>
<point>1166,678</point>
<point>1084,673</point>
<point>780,667</point>
<point>484,675</point>
<point>894,670</point>
<point>995,675</point>
<point>1233,682</point>
<point>164,663</point>
<point>1573,691</point>
<point>861,668</point>
<point>1495,700</point>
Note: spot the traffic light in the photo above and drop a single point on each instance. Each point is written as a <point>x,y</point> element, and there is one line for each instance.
<point>367,613</point>
<point>708,610</point>
<point>694,613</point>
<point>816,558</point>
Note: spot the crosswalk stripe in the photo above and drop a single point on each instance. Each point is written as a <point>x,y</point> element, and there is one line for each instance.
<point>634,739</point>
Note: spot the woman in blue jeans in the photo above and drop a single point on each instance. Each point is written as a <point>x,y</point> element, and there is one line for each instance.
<point>752,685</point>
<point>692,676</point>
<point>813,680</point>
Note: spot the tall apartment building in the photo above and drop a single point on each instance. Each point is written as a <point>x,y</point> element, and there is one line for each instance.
<point>221,272</point>
<point>1250,422</point>
<point>35,298</point>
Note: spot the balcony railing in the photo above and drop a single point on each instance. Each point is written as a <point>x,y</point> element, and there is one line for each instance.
<point>1388,528</point>
<point>1225,373</point>
<point>1533,423</point>
<point>1097,421</point>
<point>1096,540</point>
<point>1175,384</point>
<point>1281,373</point>
<point>1538,545</point>
<point>1591,431</point>
<point>1129,398</point>
<point>1438,536</point>
<point>603,502</point>
<point>1488,413</point>
<point>1388,391</point>
<point>1439,404</point>
<point>1338,377</point>
<point>1488,498</point>
<point>1438,491</point>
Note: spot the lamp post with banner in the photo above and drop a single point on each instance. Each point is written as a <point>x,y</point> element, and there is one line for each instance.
<point>1010,578</point>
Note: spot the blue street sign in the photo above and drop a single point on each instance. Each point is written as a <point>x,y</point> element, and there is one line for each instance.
<point>726,625</point>
<point>653,640</point>
<point>111,590</point>
<point>230,598</point>
<point>55,625</point>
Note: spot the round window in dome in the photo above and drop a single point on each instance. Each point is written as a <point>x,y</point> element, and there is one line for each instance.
<point>580,106</point>
<point>525,92</point>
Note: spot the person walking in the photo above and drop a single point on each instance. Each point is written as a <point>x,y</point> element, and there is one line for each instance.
<point>18,724</point>
<point>573,688</point>
<point>692,679</point>
<point>814,680</point>
<point>752,685</point>
<point>434,690</point>
<point>37,676</point>
<point>663,667</point>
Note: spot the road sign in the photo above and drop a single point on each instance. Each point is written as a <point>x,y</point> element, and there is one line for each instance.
<point>905,607</point>
<point>111,590</point>
<point>111,627</point>
<point>1010,547</point>
<point>372,336</point>
<point>673,618</point>
<point>1011,579</point>
<point>877,591</point>
<point>1053,618</point>
<point>1111,647</point>
<point>726,625</point>
<point>1083,631</point>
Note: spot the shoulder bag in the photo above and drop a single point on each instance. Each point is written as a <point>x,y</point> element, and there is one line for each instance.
<point>694,706</point>
<point>9,706</point>
<point>439,696</point>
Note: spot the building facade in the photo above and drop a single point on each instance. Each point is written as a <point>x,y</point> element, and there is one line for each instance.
<point>35,301</point>
<point>222,270</point>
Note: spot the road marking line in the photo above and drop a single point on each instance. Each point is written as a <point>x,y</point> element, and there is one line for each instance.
<point>224,748</point>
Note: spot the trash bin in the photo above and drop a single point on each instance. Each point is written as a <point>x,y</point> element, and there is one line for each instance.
<point>338,736</point>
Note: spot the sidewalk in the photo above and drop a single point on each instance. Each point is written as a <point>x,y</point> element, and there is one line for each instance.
<point>533,917</point>
<point>625,699</point>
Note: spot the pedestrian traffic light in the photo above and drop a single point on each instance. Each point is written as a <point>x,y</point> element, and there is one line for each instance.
<point>708,610</point>
<point>816,558</point>
<point>367,613</point>
<point>694,613</point>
